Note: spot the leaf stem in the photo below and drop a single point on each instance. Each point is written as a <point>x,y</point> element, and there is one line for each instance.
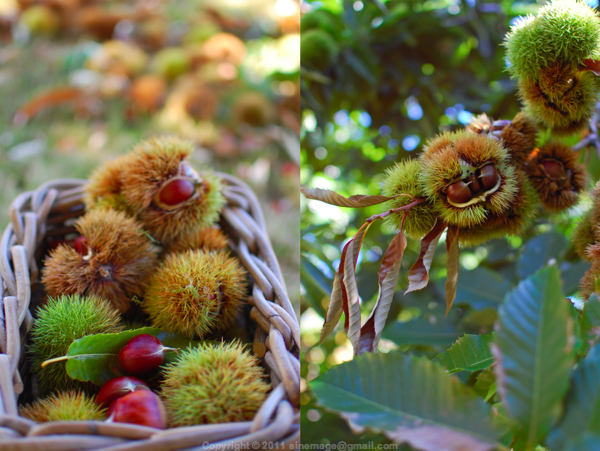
<point>395,210</point>
<point>57,359</point>
<point>68,357</point>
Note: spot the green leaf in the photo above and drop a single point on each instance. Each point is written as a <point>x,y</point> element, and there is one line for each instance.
<point>582,406</point>
<point>485,385</point>
<point>572,274</point>
<point>411,399</point>
<point>425,330</point>
<point>539,250</point>
<point>476,320</point>
<point>481,288</point>
<point>313,285</point>
<point>586,442</point>
<point>469,353</point>
<point>360,67</point>
<point>534,353</point>
<point>590,316</point>
<point>94,358</point>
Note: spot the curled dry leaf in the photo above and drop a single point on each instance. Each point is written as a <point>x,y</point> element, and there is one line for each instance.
<point>418,276</point>
<point>350,295</point>
<point>333,198</point>
<point>338,301</point>
<point>453,265</point>
<point>388,276</point>
<point>334,309</point>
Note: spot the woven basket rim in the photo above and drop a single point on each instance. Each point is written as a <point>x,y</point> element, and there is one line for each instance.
<point>37,214</point>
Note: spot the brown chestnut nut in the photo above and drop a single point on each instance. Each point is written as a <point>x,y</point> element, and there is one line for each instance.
<point>554,169</point>
<point>459,192</point>
<point>488,176</point>
<point>474,185</point>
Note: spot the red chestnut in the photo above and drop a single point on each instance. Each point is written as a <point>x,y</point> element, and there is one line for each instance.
<point>176,191</point>
<point>488,176</point>
<point>142,355</point>
<point>553,168</point>
<point>142,407</point>
<point>459,192</point>
<point>474,185</point>
<point>118,387</point>
<point>81,245</point>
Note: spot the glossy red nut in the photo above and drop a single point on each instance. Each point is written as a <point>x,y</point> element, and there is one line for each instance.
<point>118,387</point>
<point>553,168</point>
<point>142,407</point>
<point>459,192</point>
<point>176,192</point>
<point>81,245</point>
<point>142,355</point>
<point>488,176</point>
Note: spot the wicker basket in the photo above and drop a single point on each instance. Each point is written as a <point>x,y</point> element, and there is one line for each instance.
<point>49,211</point>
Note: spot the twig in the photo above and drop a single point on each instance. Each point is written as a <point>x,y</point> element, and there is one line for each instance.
<point>584,142</point>
<point>395,210</point>
<point>592,138</point>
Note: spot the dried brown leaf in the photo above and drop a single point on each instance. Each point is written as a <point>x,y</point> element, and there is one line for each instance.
<point>50,99</point>
<point>334,310</point>
<point>418,276</point>
<point>350,291</point>
<point>344,292</point>
<point>333,198</point>
<point>358,240</point>
<point>452,265</point>
<point>388,276</point>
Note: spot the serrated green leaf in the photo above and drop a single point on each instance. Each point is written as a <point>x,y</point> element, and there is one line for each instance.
<point>534,353</point>
<point>410,399</point>
<point>94,358</point>
<point>469,353</point>
<point>582,405</point>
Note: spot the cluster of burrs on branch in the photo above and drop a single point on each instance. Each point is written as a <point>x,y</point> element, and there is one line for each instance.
<point>492,178</point>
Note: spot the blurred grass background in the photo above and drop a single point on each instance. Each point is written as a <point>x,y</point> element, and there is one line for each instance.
<point>222,54</point>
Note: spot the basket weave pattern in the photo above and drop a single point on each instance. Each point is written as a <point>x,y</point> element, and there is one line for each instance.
<point>50,211</point>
